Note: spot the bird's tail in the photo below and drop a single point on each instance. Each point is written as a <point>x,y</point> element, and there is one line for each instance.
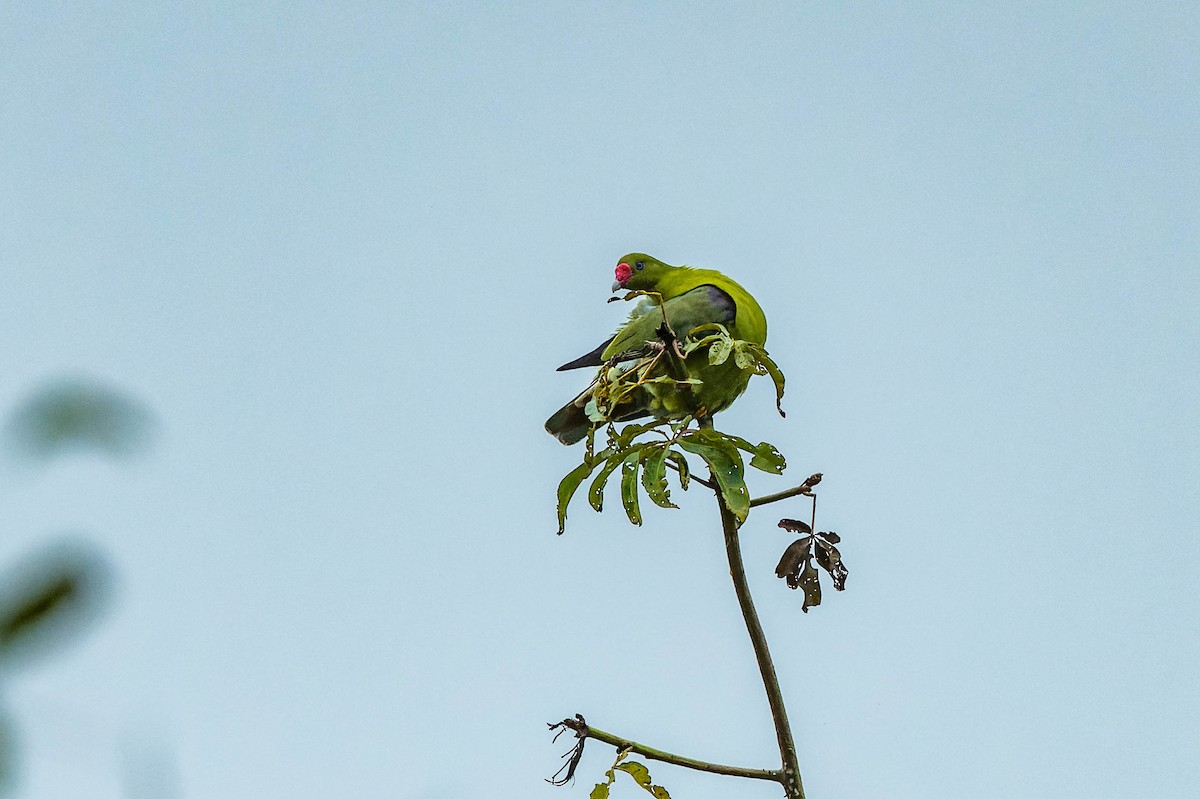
<point>570,423</point>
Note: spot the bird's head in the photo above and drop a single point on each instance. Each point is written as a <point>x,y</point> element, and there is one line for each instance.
<point>638,271</point>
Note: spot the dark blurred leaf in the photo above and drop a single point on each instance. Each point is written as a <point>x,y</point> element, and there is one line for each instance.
<point>831,537</point>
<point>629,487</point>
<point>795,526</point>
<point>76,414</point>
<point>48,597</point>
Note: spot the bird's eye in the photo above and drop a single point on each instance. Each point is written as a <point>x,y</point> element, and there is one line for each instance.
<point>640,264</point>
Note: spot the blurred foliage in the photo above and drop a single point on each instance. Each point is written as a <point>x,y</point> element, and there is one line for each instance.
<point>77,414</point>
<point>49,598</point>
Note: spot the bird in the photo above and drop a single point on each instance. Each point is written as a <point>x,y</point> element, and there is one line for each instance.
<point>690,298</point>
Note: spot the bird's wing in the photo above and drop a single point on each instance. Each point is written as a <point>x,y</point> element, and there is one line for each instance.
<point>700,306</point>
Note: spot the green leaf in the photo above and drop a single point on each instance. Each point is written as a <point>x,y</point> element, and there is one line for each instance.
<point>596,491</point>
<point>654,478</point>
<point>726,465</point>
<point>809,581</point>
<point>685,474</point>
<point>718,353</point>
<point>743,356</point>
<point>600,791</point>
<point>632,431</point>
<point>629,487</point>
<point>641,775</point>
<point>776,377</point>
<point>768,459</point>
<point>566,490</point>
<point>639,772</point>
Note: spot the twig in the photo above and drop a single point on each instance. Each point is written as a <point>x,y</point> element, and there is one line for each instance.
<point>790,777</point>
<point>583,731</point>
<point>804,489</point>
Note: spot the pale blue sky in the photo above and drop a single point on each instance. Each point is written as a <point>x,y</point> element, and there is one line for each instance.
<point>339,252</point>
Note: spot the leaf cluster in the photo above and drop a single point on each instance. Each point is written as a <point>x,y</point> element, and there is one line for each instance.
<point>796,565</point>
<point>644,464</point>
<point>747,355</point>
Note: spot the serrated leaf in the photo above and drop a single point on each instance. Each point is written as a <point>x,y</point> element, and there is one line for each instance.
<point>831,537</point>
<point>654,478</point>
<point>596,491</point>
<point>685,474</point>
<point>726,465</point>
<point>629,487</point>
<point>768,459</point>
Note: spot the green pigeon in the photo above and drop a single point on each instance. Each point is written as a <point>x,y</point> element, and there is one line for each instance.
<point>690,297</point>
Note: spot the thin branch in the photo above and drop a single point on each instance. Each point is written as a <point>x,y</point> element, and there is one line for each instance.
<point>792,784</point>
<point>584,730</point>
<point>804,489</point>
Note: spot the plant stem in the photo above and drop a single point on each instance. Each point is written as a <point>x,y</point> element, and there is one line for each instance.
<point>802,490</point>
<point>790,777</point>
<point>678,760</point>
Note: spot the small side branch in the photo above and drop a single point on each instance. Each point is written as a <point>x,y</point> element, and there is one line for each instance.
<point>804,489</point>
<point>583,731</point>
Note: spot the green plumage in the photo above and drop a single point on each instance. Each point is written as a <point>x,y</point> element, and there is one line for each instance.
<point>690,297</point>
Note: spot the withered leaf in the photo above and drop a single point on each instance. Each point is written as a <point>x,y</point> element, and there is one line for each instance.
<point>809,580</point>
<point>831,561</point>
<point>795,526</point>
<point>789,565</point>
